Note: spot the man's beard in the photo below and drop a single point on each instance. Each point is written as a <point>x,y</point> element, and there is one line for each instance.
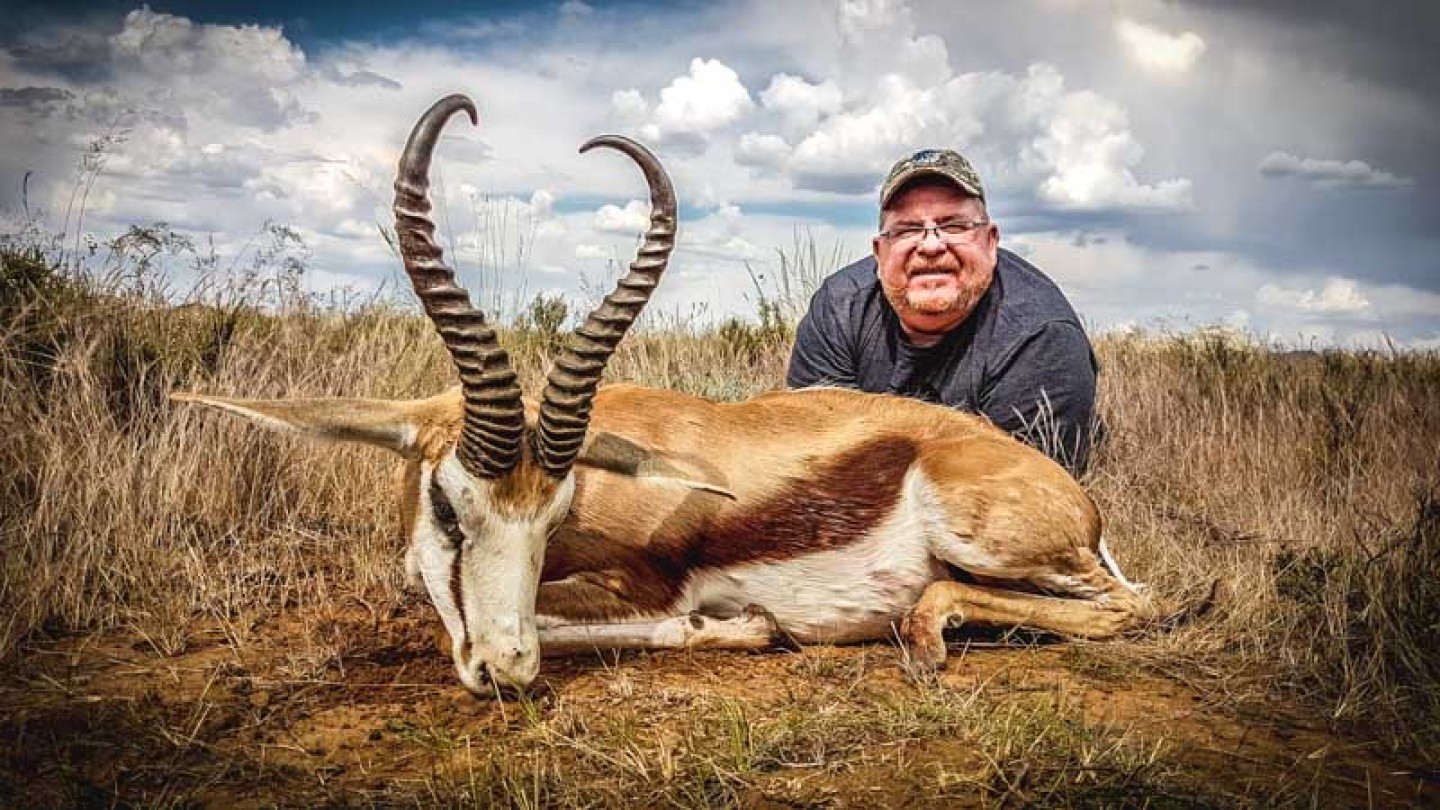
<point>960,297</point>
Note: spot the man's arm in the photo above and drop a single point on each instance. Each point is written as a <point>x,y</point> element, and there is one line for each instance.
<point>822,355</point>
<point>1045,394</point>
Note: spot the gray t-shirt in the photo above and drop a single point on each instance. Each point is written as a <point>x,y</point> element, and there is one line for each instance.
<point>1021,358</point>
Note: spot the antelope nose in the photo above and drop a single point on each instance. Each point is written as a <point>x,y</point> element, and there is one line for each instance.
<point>517,668</point>
<point>476,677</point>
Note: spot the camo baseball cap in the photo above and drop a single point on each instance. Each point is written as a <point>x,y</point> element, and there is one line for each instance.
<point>946,163</point>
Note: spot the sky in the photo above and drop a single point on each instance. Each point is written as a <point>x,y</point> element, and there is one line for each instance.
<point>1269,168</point>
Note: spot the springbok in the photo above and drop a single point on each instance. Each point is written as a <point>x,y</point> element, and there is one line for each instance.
<point>636,517</point>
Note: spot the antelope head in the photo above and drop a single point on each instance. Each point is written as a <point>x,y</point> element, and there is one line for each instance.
<point>495,496</point>
<point>483,499</point>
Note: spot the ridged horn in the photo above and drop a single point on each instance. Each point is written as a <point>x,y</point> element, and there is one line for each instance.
<point>489,445</point>
<point>570,387</point>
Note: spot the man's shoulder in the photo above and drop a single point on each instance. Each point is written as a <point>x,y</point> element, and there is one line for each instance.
<point>856,279</point>
<point>1029,297</point>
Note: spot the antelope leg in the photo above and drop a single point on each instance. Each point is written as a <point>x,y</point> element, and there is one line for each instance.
<point>952,604</point>
<point>753,629</point>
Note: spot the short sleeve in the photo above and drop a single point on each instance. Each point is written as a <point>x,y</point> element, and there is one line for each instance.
<point>1044,394</point>
<point>822,353</point>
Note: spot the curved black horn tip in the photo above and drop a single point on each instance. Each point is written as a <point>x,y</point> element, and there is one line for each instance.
<point>636,151</point>
<point>662,191</point>
<point>617,142</point>
<point>454,103</point>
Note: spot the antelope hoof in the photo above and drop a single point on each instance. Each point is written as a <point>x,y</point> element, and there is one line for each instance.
<point>753,629</point>
<point>924,643</point>
<point>758,615</point>
<point>762,618</point>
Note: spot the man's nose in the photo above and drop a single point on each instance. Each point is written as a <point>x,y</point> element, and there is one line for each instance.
<point>930,241</point>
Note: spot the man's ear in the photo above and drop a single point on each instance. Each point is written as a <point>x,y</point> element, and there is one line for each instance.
<point>622,456</point>
<point>398,426</point>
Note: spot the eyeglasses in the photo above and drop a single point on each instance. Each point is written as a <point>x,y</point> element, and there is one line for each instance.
<point>951,232</point>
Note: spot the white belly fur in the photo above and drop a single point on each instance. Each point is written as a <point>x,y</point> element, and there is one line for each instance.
<point>854,593</point>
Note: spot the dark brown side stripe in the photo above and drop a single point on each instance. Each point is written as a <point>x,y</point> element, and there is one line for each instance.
<point>839,505</point>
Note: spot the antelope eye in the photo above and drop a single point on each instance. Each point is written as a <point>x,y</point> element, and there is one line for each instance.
<point>444,513</point>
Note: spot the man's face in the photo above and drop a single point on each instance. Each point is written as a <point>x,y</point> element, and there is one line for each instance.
<point>935,281</point>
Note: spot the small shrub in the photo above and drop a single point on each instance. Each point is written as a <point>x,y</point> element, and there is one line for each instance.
<point>544,319</point>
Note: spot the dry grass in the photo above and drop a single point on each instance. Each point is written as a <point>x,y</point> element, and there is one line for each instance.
<point>1309,483</point>
<point>804,748</point>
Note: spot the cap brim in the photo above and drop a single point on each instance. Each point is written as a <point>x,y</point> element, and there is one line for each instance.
<point>911,175</point>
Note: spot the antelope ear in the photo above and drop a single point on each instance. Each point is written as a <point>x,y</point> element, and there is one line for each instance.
<point>622,456</point>
<point>397,426</point>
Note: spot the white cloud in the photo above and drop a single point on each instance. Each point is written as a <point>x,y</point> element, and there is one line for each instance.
<point>800,103</point>
<point>707,98</point>
<point>721,236</point>
<point>1339,296</point>
<point>1180,291</point>
<point>325,282</point>
<point>632,219</point>
<point>542,216</point>
<point>628,106</point>
<point>879,36</point>
<point>1157,51</point>
<point>850,152</point>
<point>588,251</point>
<point>542,204</point>
<point>321,194</point>
<point>759,149</point>
<point>1086,149</point>
<point>1330,174</point>
<point>1400,302</point>
<point>357,77</point>
<point>243,74</point>
<point>1076,149</point>
<point>860,18</point>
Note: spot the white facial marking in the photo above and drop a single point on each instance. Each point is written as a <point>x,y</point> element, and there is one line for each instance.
<point>414,576</point>
<point>496,572</point>
<point>434,557</point>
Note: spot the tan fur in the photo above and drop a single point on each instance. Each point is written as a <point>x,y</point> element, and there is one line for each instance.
<point>775,478</point>
<point>439,419</point>
<point>1018,505</point>
<point>758,447</point>
<point>407,490</point>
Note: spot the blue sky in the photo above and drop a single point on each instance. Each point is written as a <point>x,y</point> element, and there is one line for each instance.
<point>1171,164</point>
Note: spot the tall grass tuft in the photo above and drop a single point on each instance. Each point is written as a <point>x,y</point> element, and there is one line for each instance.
<point>1308,481</point>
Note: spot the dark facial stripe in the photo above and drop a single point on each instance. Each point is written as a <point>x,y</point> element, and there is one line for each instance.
<point>444,516</point>
<point>456,593</point>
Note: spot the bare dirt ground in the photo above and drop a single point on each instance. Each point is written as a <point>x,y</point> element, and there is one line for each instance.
<point>361,709</point>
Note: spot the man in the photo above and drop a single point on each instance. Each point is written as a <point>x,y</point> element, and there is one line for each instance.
<point>941,312</point>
